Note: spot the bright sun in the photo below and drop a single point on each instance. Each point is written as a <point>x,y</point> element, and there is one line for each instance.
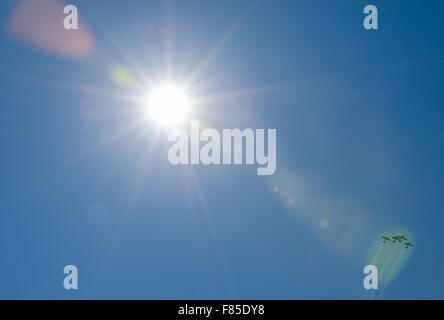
<point>168,105</point>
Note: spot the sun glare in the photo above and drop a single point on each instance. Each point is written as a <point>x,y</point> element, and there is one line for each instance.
<point>168,105</point>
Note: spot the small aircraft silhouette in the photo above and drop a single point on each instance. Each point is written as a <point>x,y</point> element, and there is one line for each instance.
<point>385,239</point>
<point>396,238</point>
<point>402,238</point>
<point>408,244</point>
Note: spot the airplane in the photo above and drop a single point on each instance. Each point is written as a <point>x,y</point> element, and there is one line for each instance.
<point>396,238</point>
<point>408,244</point>
<point>402,238</point>
<point>385,239</point>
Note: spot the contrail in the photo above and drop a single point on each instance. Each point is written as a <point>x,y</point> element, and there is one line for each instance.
<point>378,253</point>
<point>375,260</point>
<point>388,260</point>
<point>392,271</point>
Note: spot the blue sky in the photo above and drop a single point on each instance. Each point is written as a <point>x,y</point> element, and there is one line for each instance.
<point>360,150</point>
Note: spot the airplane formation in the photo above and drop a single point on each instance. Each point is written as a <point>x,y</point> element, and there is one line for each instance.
<point>399,239</point>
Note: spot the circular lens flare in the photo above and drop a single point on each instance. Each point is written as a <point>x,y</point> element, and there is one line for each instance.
<point>168,105</point>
